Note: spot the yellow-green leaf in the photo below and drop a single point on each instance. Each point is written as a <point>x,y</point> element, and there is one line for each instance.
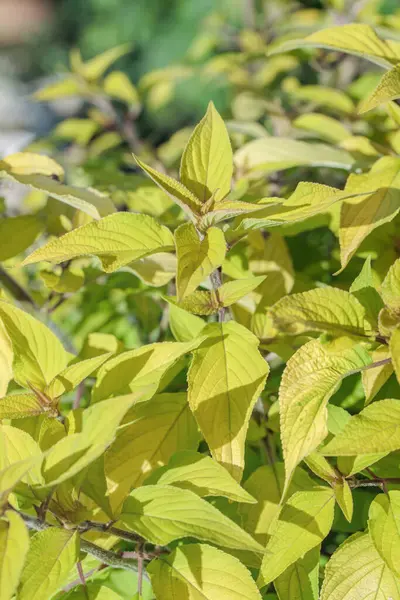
<point>118,85</point>
<point>327,97</point>
<point>390,288</point>
<point>355,38</point>
<point>18,406</point>
<point>14,545</point>
<point>304,521</point>
<point>80,131</point>
<point>375,429</point>
<point>27,163</point>
<point>199,571</point>
<point>225,379</point>
<point>232,291</point>
<point>394,346</point>
<point>321,309</point>
<point>18,233</point>
<point>96,67</point>
<point>200,303</point>
<point>16,445</point>
<point>74,374</point>
<point>6,360</point>
<point>310,378</point>
<point>38,355</point>
<point>200,474</point>
<point>207,165</point>
<point>325,127</point>
<point>184,326</point>
<point>357,571</point>
<point>374,379</point>
<point>136,369</point>
<point>301,579</point>
<point>383,525</point>
<point>52,554</point>
<point>15,472</point>
<point>117,240</point>
<point>197,258</point>
<point>344,498</point>
<point>156,430</point>
<point>68,86</point>
<point>156,270</point>
<point>387,89</point>
<point>163,513</point>
<point>174,189</point>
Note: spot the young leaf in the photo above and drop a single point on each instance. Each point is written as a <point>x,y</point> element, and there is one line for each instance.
<point>74,374</point>
<point>375,429</point>
<point>383,525</point>
<point>387,89</point>
<point>201,571</point>
<point>232,291</point>
<point>156,430</point>
<point>18,406</point>
<point>174,189</point>
<point>200,474</point>
<point>207,164</point>
<point>184,326</point>
<point>322,309</point>
<point>390,288</point>
<point>200,303</point>
<point>118,85</point>
<point>52,554</point>
<point>355,38</point>
<point>137,369</point>
<point>356,570</point>
<point>68,86</point>
<point>226,376</point>
<point>163,513</point>
<point>97,66</point>
<point>38,355</point>
<point>304,521</point>
<point>301,579</point>
<point>378,203</point>
<point>117,240</point>
<point>311,376</point>
<point>14,545</point>
<point>197,258</point>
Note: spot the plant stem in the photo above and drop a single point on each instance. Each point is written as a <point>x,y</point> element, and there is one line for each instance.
<point>216,283</point>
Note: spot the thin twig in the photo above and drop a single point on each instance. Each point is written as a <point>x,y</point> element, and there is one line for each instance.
<point>379,363</point>
<point>216,283</point>
<point>140,565</point>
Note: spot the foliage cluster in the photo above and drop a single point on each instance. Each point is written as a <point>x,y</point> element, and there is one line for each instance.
<point>200,341</point>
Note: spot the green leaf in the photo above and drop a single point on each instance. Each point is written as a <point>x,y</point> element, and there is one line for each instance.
<point>304,521</point>
<point>184,326</point>
<point>199,571</point>
<point>174,189</point>
<point>375,429</point>
<point>27,163</point>
<point>68,86</point>
<point>14,545</point>
<point>68,379</point>
<point>232,291</point>
<point>383,525</point>
<point>138,369</point>
<point>156,430</point>
<point>301,579</point>
<point>18,233</point>
<point>225,378</point>
<point>38,355</point>
<point>52,555</point>
<point>274,154</point>
<point>74,452</point>
<point>374,379</point>
<point>356,570</point>
<point>378,203</point>
<point>163,513</point>
<point>266,485</point>
<point>80,131</point>
<point>207,165</point>
<point>118,85</point>
<point>200,303</point>
<point>6,360</point>
<point>197,258</point>
<point>390,288</point>
<point>344,498</point>
<point>156,270</point>
<point>321,309</point>
<point>200,474</point>
<point>327,97</point>
<point>364,288</point>
<point>117,240</point>
<point>325,127</point>
<point>310,378</point>
<point>387,89</point>
<point>18,406</point>
<point>96,67</point>
<point>16,446</point>
<point>394,346</point>
<point>355,38</point>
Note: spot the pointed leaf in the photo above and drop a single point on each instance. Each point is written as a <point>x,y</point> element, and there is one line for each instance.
<point>225,378</point>
<point>374,379</point>
<point>14,545</point>
<point>384,528</point>
<point>18,233</point>
<point>163,513</point>
<point>18,406</point>
<point>207,165</point>
<point>117,240</point>
<point>394,346</point>
<point>6,360</point>
<point>200,571</point>
<point>74,374</point>
<point>387,89</point>
<point>301,579</point>
<point>118,85</point>
<point>390,288</point>
<point>96,67</point>
<point>184,326</point>
<point>232,291</point>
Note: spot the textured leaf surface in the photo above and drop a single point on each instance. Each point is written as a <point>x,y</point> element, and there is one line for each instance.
<point>197,258</point>
<point>163,513</point>
<point>387,89</point>
<point>74,374</point>
<point>384,528</point>
<point>357,571</point>
<point>52,555</point>
<point>225,378</point>
<point>14,545</point>
<point>304,521</point>
<point>18,233</point>
<point>207,166</point>
<point>202,475</point>
<point>300,580</point>
<point>18,406</point>
<point>311,376</point>
<point>394,346</point>
<point>199,571</point>
<point>117,240</point>
<point>390,288</point>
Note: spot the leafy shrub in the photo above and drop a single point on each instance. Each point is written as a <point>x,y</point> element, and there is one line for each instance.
<point>200,371</point>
